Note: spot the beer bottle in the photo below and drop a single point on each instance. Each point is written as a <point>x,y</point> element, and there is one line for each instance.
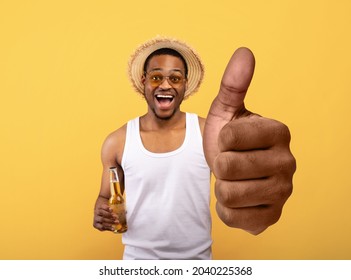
<point>117,202</point>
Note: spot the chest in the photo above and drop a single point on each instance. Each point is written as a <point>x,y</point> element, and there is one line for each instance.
<point>163,141</point>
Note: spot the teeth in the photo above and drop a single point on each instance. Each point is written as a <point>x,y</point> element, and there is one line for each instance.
<point>164,96</point>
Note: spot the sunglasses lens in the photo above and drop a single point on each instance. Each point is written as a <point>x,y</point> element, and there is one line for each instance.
<point>156,79</point>
<point>174,79</point>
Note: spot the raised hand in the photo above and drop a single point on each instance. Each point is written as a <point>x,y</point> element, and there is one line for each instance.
<point>248,154</point>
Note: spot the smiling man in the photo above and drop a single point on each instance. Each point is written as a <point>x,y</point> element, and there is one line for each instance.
<point>165,157</point>
<point>164,82</point>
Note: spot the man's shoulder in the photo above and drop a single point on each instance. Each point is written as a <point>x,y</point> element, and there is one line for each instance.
<point>114,143</point>
<point>116,137</point>
<point>120,133</point>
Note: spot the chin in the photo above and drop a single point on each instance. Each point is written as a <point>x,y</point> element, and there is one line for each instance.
<point>164,116</point>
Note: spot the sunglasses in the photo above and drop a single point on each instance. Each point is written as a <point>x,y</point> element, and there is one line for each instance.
<point>157,78</point>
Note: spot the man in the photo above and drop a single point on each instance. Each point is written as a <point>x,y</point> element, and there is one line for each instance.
<point>165,169</point>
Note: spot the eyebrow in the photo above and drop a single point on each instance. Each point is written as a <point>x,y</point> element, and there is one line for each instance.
<point>172,70</point>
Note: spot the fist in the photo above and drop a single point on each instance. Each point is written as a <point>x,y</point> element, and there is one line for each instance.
<point>249,155</point>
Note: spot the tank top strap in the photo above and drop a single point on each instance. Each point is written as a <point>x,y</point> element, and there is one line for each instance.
<point>194,122</point>
<point>132,135</point>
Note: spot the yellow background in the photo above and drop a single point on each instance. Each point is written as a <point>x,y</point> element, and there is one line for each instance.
<point>64,87</point>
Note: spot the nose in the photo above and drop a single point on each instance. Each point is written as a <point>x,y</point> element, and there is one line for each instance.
<point>165,83</point>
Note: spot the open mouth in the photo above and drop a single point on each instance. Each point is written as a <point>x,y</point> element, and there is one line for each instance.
<point>164,99</point>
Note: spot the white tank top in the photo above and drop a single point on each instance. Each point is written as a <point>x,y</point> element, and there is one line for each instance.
<point>167,198</point>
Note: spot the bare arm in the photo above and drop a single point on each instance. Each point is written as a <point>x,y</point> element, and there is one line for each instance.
<point>111,155</point>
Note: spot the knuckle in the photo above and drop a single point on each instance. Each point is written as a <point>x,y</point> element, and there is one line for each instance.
<point>282,132</point>
<point>282,190</point>
<point>224,193</point>
<point>98,219</point>
<point>269,216</point>
<point>287,163</point>
<point>223,165</point>
<point>273,215</point>
<point>286,192</point>
<point>292,164</point>
<point>225,215</point>
<point>97,225</point>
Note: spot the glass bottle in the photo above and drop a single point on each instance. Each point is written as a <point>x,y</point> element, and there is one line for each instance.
<point>117,202</point>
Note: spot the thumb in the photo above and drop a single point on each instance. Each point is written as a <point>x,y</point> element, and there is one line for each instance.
<point>229,103</point>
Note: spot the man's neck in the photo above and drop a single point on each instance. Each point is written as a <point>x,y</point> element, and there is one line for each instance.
<point>151,122</point>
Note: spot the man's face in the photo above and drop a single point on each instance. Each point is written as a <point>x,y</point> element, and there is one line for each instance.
<point>164,85</point>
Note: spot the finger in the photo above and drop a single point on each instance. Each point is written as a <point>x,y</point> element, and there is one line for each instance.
<point>105,213</point>
<point>245,165</point>
<point>99,224</point>
<point>252,219</point>
<point>234,85</point>
<point>235,82</point>
<point>249,193</point>
<point>253,133</point>
<point>229,103</point>
<point>105,224</point>
<point>105,207</point>
<point>106,220</point>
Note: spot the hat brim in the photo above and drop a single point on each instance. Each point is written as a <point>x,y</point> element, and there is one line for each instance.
<point>192,59</point>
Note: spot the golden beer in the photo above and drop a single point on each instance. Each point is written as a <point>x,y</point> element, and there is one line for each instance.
<point>117,202</point>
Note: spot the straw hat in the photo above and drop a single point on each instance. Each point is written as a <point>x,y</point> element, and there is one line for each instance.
<point>193,61</point>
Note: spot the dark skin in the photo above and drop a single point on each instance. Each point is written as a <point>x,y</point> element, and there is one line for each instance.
<point>248,154</point>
